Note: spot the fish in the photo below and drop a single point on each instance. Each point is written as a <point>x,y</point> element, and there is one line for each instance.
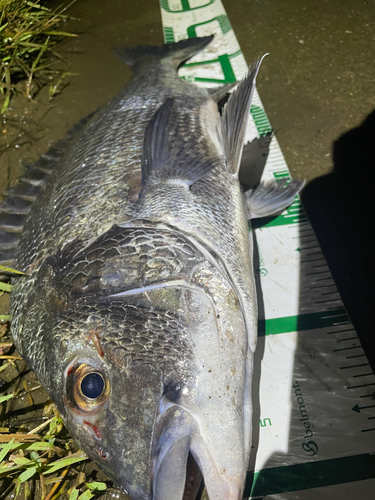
<point>138,308</point>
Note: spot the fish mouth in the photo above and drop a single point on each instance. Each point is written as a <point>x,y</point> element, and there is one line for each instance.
<point>182,457</point>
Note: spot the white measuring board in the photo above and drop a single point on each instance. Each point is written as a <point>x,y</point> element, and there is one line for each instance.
<point>313,390</point>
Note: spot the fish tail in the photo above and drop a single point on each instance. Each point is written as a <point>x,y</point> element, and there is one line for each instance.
<point>177,52</point>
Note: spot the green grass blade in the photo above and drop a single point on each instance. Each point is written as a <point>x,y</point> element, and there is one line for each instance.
<point>7,447</point>
<point>6,269</point>
<point>74,494</point>
<point>5,398</point>
<point>64,462</point>
<point>5,287</point>
<point>60,33</point>
<point>87,495</point>
<point>28,474</point>
<point>97,486</point>
<point>39,446</point>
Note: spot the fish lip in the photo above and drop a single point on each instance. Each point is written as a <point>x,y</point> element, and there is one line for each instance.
<point>177,435</point>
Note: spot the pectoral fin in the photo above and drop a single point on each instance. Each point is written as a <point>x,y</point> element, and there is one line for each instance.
<point>271,198</point>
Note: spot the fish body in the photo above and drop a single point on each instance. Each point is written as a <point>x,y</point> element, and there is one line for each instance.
<point>138,308</point>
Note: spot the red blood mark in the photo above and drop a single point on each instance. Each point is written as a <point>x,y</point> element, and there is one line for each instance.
<point>103,454</point>
<point>70,370</point>
<point>94,336</point>
<point>93,428</point>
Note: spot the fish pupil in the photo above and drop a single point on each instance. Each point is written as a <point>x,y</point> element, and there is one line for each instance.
<point>92,385</point>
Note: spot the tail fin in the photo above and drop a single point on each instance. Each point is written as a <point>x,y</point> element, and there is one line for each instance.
<point>177,52</point>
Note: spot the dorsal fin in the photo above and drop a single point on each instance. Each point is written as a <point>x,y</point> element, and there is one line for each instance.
<point>156,140</point>
<point>235,118</point>
<point>177,53</point>
<point>169,155</point>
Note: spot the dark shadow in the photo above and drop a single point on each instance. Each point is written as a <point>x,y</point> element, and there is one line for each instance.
<point>341,209</point>
<point>257,367</point>
<point>253,161</point>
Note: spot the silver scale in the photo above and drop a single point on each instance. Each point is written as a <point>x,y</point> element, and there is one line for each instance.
<point>314,417</point>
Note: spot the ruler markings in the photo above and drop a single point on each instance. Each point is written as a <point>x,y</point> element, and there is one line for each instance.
<point>363,375</point>
<point>359,408</point>
<point>322,286</point>
<point>354,366</point>
<point>324,279</point>
<point>343,331</point>
<point>327,301</point>
<point>310,248</point>
<point>358,386</point>
<point>311,260</point>
<point>278,480</point>
<point>317,272</point>
<point>302,322</point>
<point>347,348</point>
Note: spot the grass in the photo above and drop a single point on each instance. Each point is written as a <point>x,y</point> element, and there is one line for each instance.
<point>29,33</point>
<point>42,462</point>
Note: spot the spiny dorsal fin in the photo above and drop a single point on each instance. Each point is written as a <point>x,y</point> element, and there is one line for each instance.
<point>177,52</point>
<point>170,155</point>
<point>235,118</point>
<point>272,198</point>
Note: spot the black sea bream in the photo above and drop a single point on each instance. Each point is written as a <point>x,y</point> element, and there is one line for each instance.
<point>138,312</point>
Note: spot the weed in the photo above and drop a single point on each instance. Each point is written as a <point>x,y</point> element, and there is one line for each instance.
<point>29,33</point>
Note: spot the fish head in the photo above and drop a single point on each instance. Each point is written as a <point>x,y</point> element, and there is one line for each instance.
<point>112,386</point>
<point>110,409</point>
<point>142,393</point>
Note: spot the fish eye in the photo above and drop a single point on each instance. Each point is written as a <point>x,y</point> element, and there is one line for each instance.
<point>92,385</point>
<point>87,388</point>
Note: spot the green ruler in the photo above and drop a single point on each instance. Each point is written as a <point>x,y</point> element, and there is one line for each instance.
<point>314,391</point>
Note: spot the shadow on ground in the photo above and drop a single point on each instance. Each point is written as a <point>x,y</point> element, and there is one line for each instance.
<point>341,209</point>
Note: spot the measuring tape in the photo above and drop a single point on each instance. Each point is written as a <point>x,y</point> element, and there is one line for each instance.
<point>313,388</point>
